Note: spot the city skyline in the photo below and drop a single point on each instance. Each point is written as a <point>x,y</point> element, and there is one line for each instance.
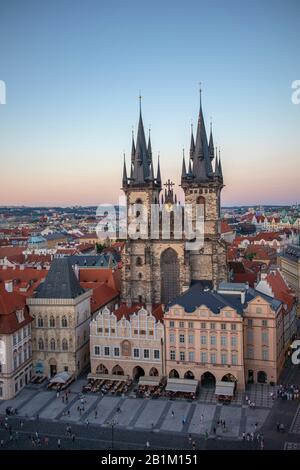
<point>73,79</point>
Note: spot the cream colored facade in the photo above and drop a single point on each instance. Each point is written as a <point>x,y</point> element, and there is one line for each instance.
<point>130,347</point>
<point>15,361</point>
<point>60,334</point>
<point>202,342</point>
<point>244,344</point>
<point>264,349</point>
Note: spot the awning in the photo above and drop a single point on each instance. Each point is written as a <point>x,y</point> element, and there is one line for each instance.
<point>118,378</point>
<point>182,385</point>
<point>60,378</point>
<point>149,380</point>
<point>225,388</point>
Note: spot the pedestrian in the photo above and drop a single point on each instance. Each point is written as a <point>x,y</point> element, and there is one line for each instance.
<point>183,421</point>
<point>1,443</point>
<point>215,431</point>
<point>147,444</point>
<point>57,394</point>
<point>262,444</point>
<point>67,399</point>
<point>172,413</point>
<point>87,423</point>
<point>190,438</point>
<point>244,436</point>
<point>68,412</point>
<point>63,398</point>
<point>252,436</point>
<point>193,445</point>
<point>58,444</point>
<point>21,424</point>
<point>17,435</point>
<point>73,438</point>
<point>277,426</point>
<point>201,418</point>
<point>96,413</point>
<point>46,441</point>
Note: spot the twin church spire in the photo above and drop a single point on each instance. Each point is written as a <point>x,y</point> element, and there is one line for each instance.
<point>200,167</point>
<point>141,166</point>
<point>202,153</point>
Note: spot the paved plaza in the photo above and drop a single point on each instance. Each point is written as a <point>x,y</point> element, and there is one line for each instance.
<point>200,417</point>
<point>295,427</point>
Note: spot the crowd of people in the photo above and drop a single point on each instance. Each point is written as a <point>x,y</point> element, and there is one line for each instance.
<point>288,392</point>
<point>114,387</point>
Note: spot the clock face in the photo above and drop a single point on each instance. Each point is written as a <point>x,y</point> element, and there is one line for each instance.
<point>169,207</point>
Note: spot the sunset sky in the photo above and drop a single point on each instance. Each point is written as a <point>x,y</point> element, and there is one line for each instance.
<point>73,71</point>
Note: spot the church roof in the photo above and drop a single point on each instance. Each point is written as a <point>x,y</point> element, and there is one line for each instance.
<point>215,301</point>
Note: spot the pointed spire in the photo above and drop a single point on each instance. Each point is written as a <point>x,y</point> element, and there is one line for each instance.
<point>125,179</point>
<point>183,171</point>
<point>149,147</point>
<point>141,163</point>
<point>151,176</point>
<point>220,165</point>
<point>132,147</point>
<point>158,175</point>
<point>211,144</point>
<point>216,173</point>
<point>190,167</point>
<point>192,146</point>
<point>202,168</point>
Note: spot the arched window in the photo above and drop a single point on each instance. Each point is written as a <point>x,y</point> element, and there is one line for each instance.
<point>41,344</point>
<point>201,201</point>
<point>52,322</point>
<point>40,322</point>
<point>169,272</point>
<point>64,322</point>
<point>64,345</point>
<point>52,344</point>
<point>138,202</point>
<point>138,261</point>
<point>140,275</point>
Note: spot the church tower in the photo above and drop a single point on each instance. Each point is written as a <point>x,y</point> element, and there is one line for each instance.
<point>202,184</point>
<point>154,269</point>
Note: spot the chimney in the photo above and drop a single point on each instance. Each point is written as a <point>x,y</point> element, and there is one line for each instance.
<point>9,286</point>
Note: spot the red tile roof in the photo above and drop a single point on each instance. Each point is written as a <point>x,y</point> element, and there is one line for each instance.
<point>126,311</point>
<point>111,277</point>
<point>280,289</point>
<point>10,302</point>
<point>225,228</point>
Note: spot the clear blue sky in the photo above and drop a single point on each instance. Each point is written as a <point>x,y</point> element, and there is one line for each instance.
<point>73,70</point>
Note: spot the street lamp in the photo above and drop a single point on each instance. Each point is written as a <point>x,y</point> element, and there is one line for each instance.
<point>113,422</point>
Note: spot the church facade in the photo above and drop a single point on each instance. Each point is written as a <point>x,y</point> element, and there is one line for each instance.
<point>159,265</point>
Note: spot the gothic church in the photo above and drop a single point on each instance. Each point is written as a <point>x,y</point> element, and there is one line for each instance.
<point>157,268</point>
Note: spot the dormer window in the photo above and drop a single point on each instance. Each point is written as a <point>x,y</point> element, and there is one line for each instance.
<point>20,315</point>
